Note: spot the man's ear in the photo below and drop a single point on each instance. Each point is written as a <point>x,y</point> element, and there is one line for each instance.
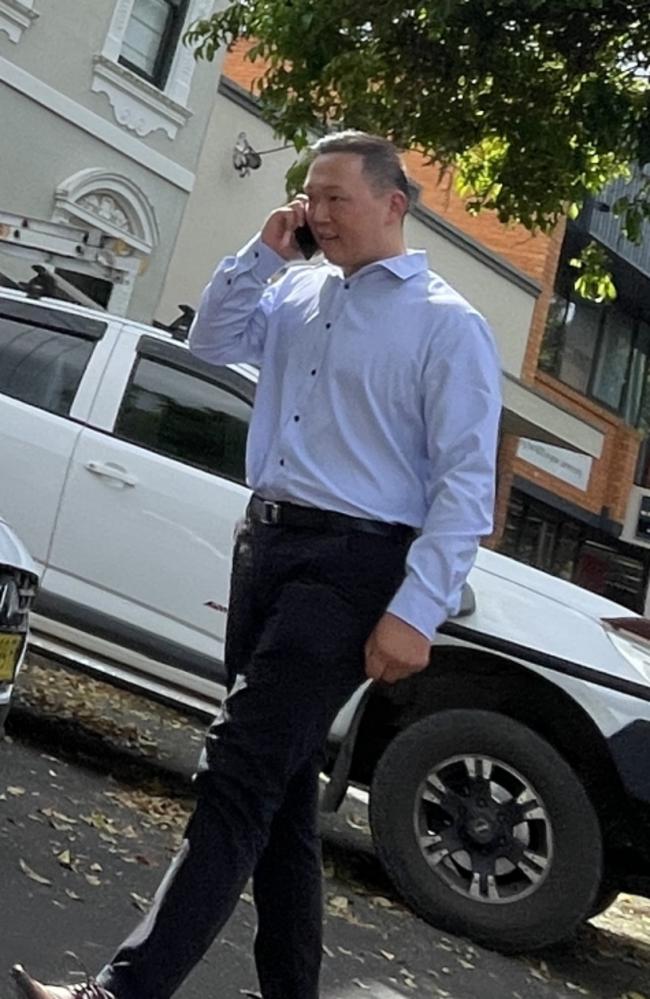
<point>398,206</point>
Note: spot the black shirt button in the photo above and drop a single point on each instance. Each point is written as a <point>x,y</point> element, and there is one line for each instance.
<point>346,285</point>
<point>229,281</point>
<point>313,371</point>
<point>256,254</point>
<point>296,418</point>
<point>282,461</point>
<point>328,326</point>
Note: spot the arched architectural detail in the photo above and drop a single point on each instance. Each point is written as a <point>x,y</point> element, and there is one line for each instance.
<point>112,203</point>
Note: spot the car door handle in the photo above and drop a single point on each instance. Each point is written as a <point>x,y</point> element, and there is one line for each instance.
<point>110,471</point>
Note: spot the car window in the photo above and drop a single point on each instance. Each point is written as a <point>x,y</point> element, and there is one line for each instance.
<point>41,366</point>
<point>186,417</point>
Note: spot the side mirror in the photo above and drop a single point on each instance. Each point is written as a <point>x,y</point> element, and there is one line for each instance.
<point>467,602</point>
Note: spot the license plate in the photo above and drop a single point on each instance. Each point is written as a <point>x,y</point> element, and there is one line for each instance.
<point>10,649</point>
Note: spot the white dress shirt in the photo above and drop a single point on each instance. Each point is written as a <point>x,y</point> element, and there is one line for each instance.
<point>379,396</point>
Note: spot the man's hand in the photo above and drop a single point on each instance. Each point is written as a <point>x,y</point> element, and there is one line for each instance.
<point>395,650</point>
<point>279,228</point>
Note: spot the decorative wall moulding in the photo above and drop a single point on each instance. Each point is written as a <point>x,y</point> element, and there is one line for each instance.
<point>16,16</point>
<point>137,105</point>
<point>111,202</point>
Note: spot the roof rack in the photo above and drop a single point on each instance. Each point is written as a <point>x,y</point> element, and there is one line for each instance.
<point>47,284</point>
<point>180,327</point>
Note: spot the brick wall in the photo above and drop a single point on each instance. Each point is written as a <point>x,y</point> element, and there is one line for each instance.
<point>609,484</point>
<point>540,312</point>
<point>613,473</point>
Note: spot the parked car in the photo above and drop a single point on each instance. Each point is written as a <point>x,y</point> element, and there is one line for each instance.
<point>18,582</point>
<point>509,786</point>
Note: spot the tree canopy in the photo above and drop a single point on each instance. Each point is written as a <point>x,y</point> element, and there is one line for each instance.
<point>537,104</point>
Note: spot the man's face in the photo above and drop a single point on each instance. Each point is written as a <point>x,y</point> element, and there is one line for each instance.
<point>354,222</point>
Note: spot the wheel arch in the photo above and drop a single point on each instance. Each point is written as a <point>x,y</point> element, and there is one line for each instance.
<point>467,678</point>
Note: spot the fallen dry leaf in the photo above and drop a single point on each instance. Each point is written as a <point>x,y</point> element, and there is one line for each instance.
<point>52,814</point>
<point>72,894</point>
<point>382,902</point>
<point>16,792</point>
<point>65,859</point>
<point>26,869</point>
<point>140,902</point>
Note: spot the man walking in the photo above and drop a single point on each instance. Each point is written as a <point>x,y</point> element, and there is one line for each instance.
<point>371,454</point>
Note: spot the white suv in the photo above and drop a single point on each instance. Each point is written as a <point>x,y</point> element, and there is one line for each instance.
<point>509,783</point>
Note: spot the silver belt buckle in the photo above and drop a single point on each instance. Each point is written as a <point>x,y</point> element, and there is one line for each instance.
<point>270,513</point>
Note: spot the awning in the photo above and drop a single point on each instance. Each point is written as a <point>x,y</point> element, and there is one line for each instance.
<point>528,413</point>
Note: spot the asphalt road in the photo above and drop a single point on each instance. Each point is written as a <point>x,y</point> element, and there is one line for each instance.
<point>93,799</point>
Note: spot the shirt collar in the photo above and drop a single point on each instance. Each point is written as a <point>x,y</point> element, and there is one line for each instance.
<point>403,266</point>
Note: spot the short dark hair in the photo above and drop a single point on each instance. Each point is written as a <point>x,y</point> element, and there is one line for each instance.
<point>381,160</point>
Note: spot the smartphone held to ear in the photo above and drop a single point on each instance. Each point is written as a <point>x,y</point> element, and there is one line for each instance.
<point>305,239</point>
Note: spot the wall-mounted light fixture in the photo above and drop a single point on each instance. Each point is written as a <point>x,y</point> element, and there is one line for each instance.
<point>245,158</point>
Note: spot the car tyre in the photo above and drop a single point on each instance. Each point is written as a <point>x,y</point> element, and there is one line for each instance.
<point>424,802</point>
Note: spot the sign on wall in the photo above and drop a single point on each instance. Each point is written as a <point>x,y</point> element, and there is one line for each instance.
<point>567,465</point>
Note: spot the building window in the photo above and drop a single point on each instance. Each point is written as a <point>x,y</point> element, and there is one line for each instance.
<point>551,540</point>
<point>151,37</point>
<point>602,352</point>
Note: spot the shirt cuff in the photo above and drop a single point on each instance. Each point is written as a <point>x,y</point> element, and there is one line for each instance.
<point>415,605</point>
<point>257,258</point>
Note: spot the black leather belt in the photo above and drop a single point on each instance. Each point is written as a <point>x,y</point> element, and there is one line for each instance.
<point>312,519</point>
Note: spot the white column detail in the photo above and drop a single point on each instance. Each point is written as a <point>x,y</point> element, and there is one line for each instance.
<point>117,29</point>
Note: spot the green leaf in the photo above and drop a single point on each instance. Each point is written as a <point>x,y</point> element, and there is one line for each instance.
<point>595,280</point>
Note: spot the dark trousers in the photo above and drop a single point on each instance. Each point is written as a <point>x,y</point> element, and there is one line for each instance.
<point>301,608</point>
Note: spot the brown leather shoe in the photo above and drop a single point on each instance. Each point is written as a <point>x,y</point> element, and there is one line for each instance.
<point>27,988</point>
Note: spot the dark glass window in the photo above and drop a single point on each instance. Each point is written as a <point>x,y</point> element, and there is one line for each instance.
<point>185,417</point>
<point>551,350</point>
<point>40,366</point>
<point>603,352</point>
<point>613,358</point>
<point>580,341</point>
<point>637,403</point>
<point>151,37</point>
<point>541,536</point>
